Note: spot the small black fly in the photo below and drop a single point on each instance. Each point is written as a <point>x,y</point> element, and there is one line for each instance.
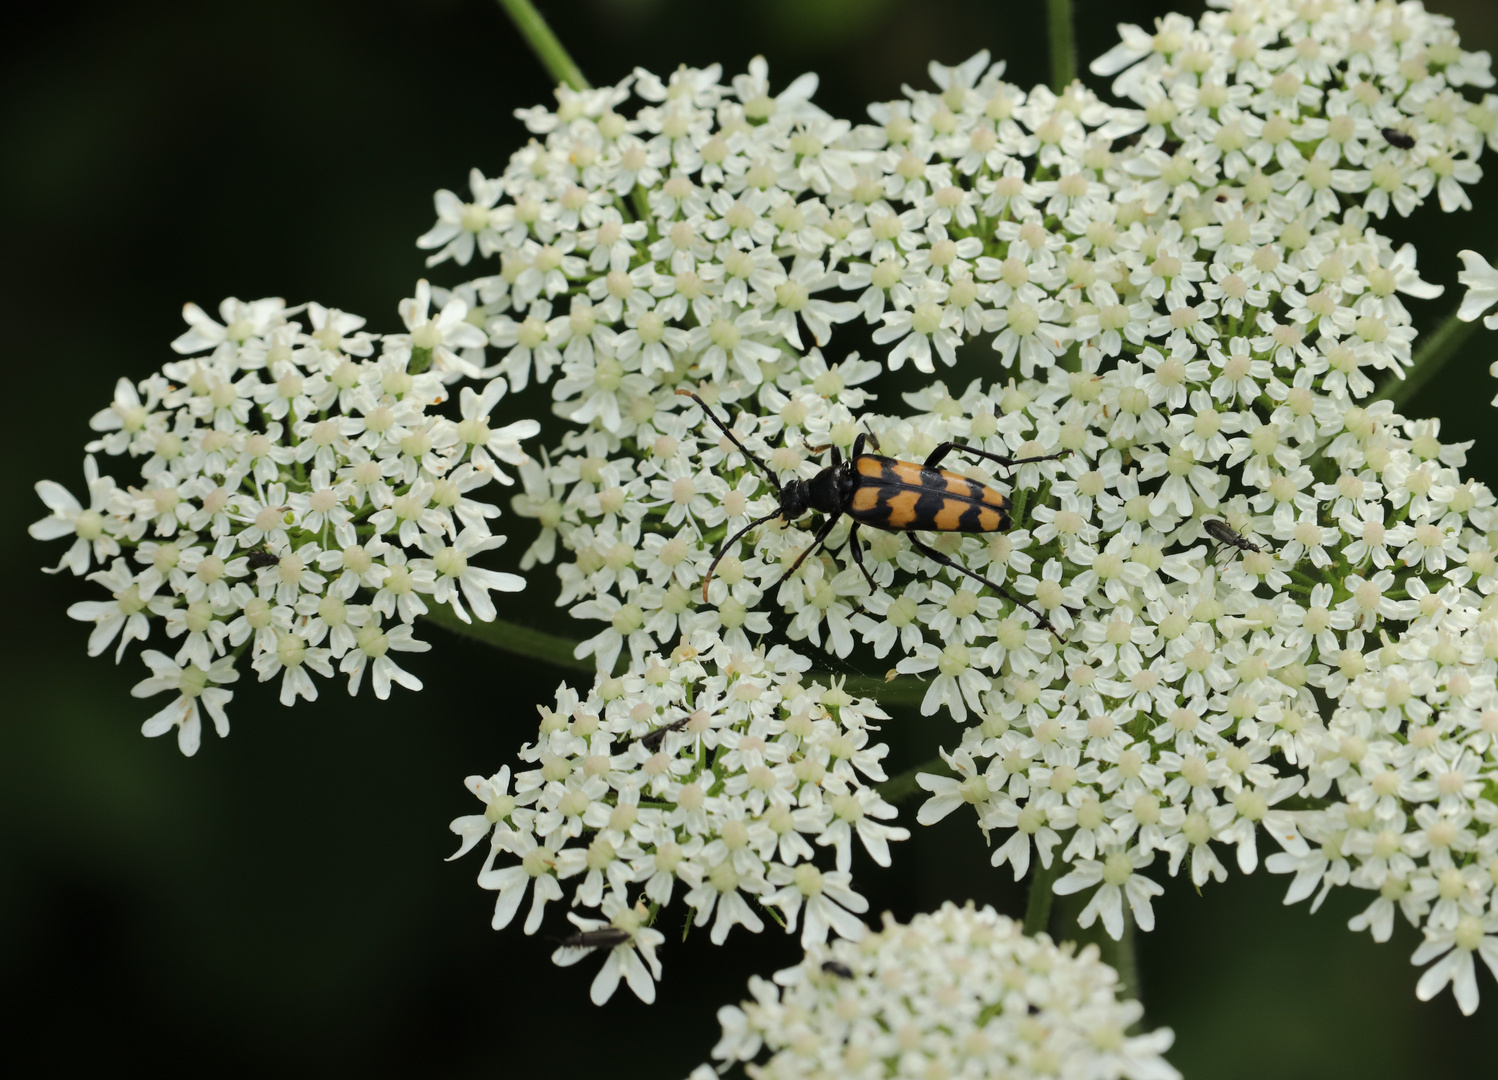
<point>652,740</point>
<point>838,968</point>
<point>261,557</point>
<point>1395,137</point>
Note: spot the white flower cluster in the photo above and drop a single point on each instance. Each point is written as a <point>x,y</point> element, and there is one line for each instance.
<point>1320,102</point>
<point>1405,772</point>
<point>710,770</point>
<point>1188,301</point>
<point>297,500</point>
<point>961,992</point>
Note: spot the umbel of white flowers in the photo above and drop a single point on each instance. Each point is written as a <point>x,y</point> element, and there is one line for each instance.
<point>1196,314</point>
<point>1187,299</point>
<point>298,497</point>
<point>960,992</point>
<point>711,771</point>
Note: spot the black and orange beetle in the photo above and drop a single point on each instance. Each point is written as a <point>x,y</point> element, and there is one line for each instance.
<point>887,494</point>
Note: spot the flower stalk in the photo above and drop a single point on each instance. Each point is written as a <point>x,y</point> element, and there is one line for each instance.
<point>513,638</point>
<point>903,785</point>
<point>1038,906</point>
<point>1432,356</point>
<point>548,49</point>
<point>1063,49</point>
<point>1119,955</point>
<point>533,644</point>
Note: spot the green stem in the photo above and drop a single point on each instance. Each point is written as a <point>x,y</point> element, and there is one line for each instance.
<point>901,690</point>
<point>558,651</point>
<point>1038,906</point>
<point>1440,347</point>
<point>512,638</point>
<point>1063,55</point>
<point>904,786</point>
<point>544,43</point>
<point>1119,955</point>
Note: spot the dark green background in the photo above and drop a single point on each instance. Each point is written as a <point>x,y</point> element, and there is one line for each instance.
<point>279,903</point>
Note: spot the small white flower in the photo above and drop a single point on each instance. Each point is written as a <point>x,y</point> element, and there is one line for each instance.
<point>1117,881</point>
<point>89,525</point>
<point>1482,288</point>
<point>192,684</point>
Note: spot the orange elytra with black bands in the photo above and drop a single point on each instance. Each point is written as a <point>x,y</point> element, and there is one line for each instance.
<point>887,494</point>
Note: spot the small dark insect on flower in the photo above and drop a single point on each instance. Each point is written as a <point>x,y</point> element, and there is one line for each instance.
<point>838,968</point>
<point>652,740</point>
<point>262,557</point>
<point>1225,534</point>
<point>1401,139</point>
<point>604,938</point>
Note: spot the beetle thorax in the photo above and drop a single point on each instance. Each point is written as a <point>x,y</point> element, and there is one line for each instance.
<point>827,493</point>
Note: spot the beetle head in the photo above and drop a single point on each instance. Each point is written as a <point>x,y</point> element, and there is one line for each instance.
<point>794,499</point>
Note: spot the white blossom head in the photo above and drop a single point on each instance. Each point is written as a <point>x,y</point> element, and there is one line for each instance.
<point>958,992</point>
<point>298,497</point>
<point>708,775</point>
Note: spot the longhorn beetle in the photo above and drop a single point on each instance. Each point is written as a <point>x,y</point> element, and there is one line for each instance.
<point>886,494</point>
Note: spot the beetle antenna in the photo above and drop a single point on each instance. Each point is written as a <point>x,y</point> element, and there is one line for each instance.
<point>750,454</point>
<point>729,543</point>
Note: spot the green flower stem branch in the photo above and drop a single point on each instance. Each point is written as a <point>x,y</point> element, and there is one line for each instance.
<point>1118,955</point>
<point>559,652</point>
<point>1045,913</point>
<point>1432,356</point>
<point>544,43</point>
<point>903,786</point>
<point>1038,907</point>
<point>512,638</point>
<point>561,67</point>
<point>1063,52</point>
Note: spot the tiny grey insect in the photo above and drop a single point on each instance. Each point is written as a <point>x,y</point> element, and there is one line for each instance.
<point>652,740</point>
<point>1225,534</point>
<point>605,938</point>
<point>1401,139</point>
<point>838,968</point>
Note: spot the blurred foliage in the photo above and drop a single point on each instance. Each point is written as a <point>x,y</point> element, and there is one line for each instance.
<point>280,902</point>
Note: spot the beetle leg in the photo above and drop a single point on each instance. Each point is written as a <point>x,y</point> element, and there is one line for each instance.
<point>858,557</point>
<point>942,450</point>
<point>818,541</point>
<point>936,556</point>
<point>853,543</point>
